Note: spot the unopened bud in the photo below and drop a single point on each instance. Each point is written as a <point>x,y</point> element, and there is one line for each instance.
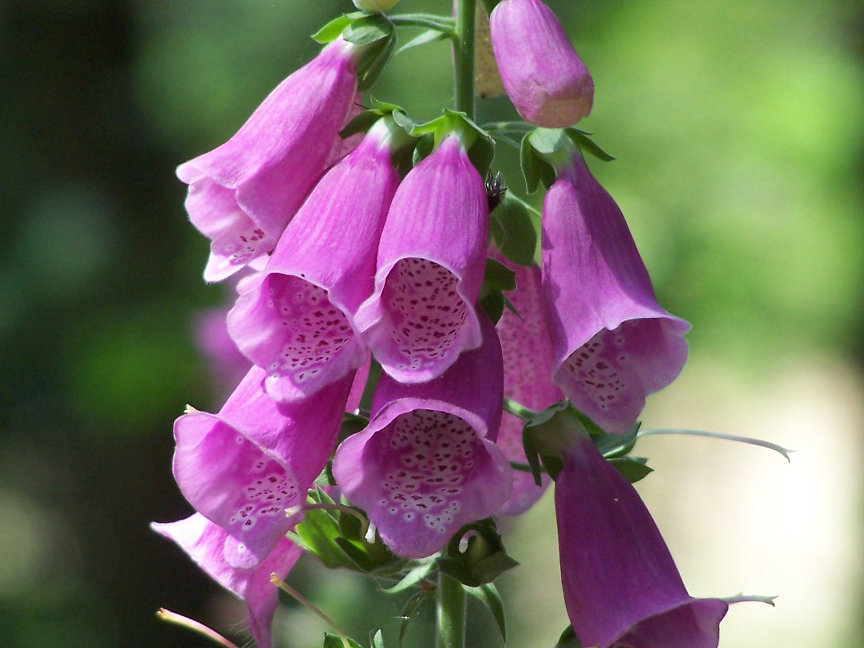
<point>375,5</point>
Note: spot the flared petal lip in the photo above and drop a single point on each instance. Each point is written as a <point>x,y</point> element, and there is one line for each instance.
<point>371,313</point>
<point>672,608</point>
<point>198,417</point>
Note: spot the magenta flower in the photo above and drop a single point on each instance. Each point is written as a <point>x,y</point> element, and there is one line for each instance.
<point>527,369</point>
<point>244,192</point>
<point>621,586</point>
<point>612,343</point>
<point>294,319</point>
<point>203,541</point>
<point>430,267</point>
<point>243,467</point>
<point>427,464</point>
<point>544,77</point>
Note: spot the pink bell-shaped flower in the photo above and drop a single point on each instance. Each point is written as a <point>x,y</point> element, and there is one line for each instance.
<point>244,192</point>
<point>427,463</point>
<point>430,266</point>
<point>204,542</point>
<point>544,77</point>
<point>612,343</point>
<point>295,319</point>
<point>244,467</point>
<point>621,586</point>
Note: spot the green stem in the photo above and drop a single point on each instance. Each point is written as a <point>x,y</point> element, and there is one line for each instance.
<point>450,613</point>
<point>430,21</point>
<point>463,52</point>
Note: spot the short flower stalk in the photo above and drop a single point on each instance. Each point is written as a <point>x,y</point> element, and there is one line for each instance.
<point>418,354</point>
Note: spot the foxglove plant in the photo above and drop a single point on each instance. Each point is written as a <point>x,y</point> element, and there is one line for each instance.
<point>415,372</point>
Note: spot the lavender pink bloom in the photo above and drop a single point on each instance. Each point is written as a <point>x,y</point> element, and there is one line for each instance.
<point>244,192</point>
<point>612,343</point>
<point>430,266</point>
<point>427,463</point>
<point>621,586</point>
<point>527,369</point>
<point>204,541</point>
<point>243,467</point>
<point>544,77</point>
<point>295,319</point>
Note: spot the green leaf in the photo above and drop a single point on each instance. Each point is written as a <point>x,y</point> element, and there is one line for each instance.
<point>317,534</point>
<point>499,276</point>
<point>334,641</point>
<point>513,231</point>
<point>488,595</point>
<point>568,639</point>
<point>633,468</point>
<point>549,141</point>
<point>333,29</point>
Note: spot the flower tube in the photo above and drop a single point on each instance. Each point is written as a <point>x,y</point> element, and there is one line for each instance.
<point>427,463</point>
<point>612,343</point>
<point>294,319</point>
<point>204,542</point>
<point>244,192</point>
<point>245,466</point>
<point>621,586</point>
<point>544,77</point>
<point>430,266</point>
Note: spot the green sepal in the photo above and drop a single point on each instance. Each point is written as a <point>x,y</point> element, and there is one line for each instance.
<point>351,424</point>
<point>368,29</point>
<point>633,468</point>
<point>499,276</point>
<point>488,595</point>
<point>353,527</point>
<point>401,145</point>
<point>479,144</point>
<point>610,445</point>
<point>547,435</point>
<point>492,303</point>
<point>490,5</point>
<point>513,231</point>
<point>483,560</point>
<point>584,141</point>
<point>568,639</point>
<point>378,639</point>
<point>370,386</point>
<point>335,641</point>
<point>318,531</point>
<point>333,29</point>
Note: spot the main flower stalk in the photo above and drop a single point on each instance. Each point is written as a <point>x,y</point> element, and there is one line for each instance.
<point>450,617</point>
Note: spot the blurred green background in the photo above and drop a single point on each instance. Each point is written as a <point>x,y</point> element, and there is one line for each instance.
<point>738,131</point>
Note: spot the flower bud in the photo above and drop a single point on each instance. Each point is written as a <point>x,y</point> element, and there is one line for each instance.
<point>541,72</point>
<point>375,5</point>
